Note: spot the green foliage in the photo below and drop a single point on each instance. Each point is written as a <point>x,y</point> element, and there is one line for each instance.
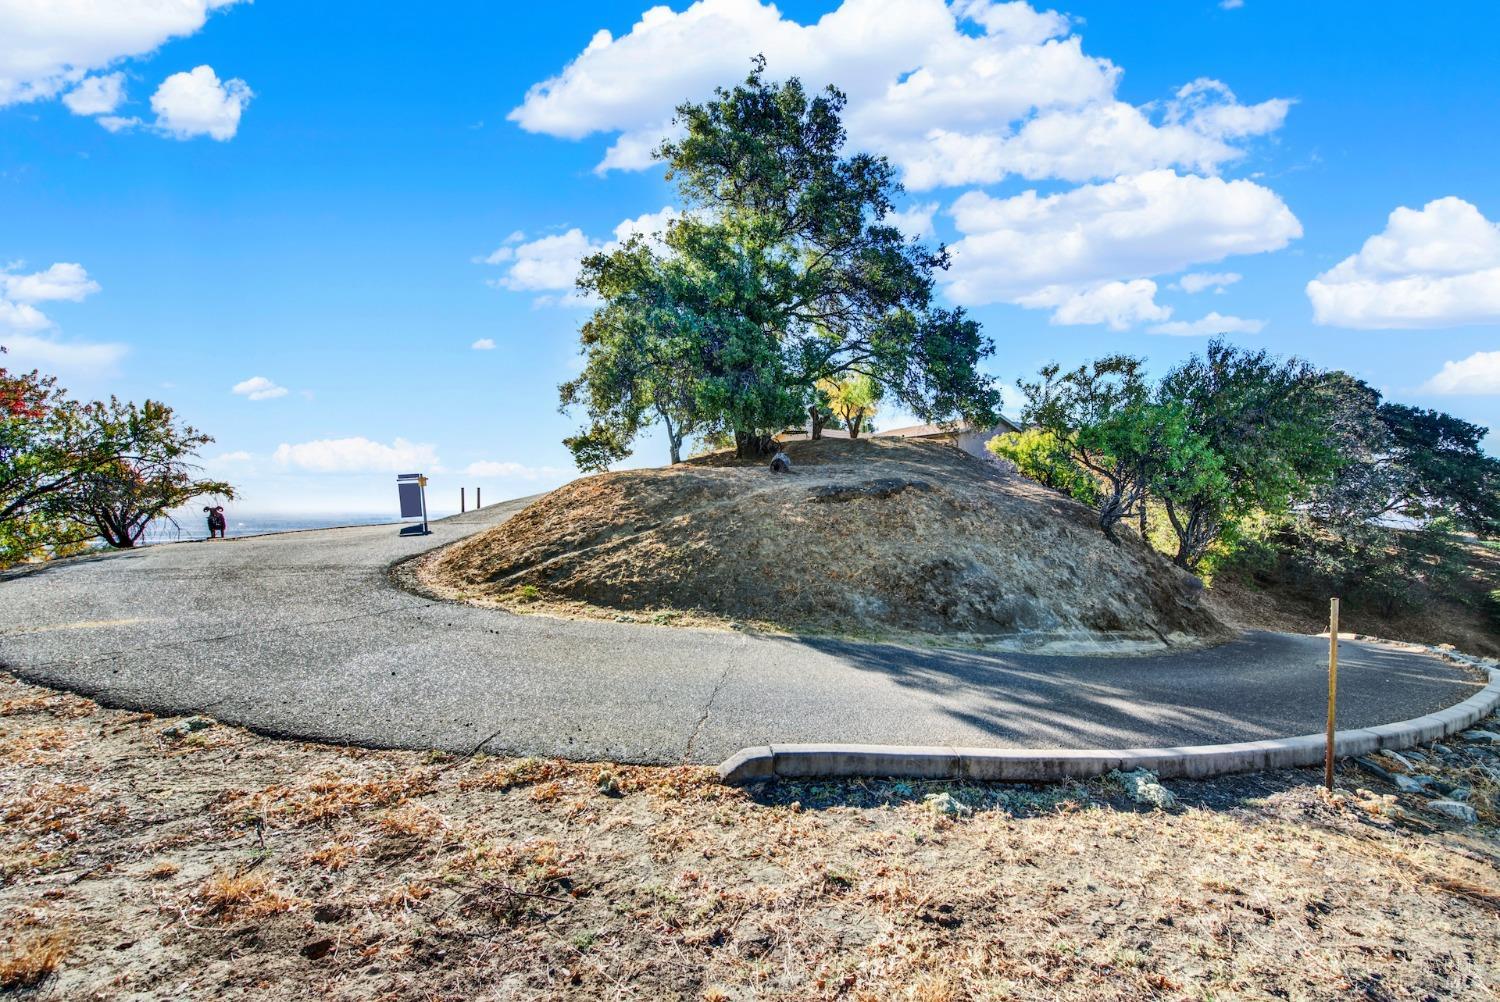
<point>71,472</point>
<point>1038,454</point>
<point>44,448</point>
<point>852,399</point>
<point>1442,470</point>
<point>641,353</point>
<point>1369,565</point>
<point>145,474</point>
<point>1257,436</point>
<point>1104,418</point>
<point>1424,467</point>
<point>1246,454</point>
<point>597,448</point>
<point>782,273</point>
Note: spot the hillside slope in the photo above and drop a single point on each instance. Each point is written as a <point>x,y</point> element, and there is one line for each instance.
<point>870,537</point>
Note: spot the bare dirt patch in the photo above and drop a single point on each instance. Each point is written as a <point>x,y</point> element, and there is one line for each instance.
<point>218,864</point>
<point>865,538</point>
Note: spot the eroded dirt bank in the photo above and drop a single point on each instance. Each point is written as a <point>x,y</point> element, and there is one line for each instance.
<point>866,537</point>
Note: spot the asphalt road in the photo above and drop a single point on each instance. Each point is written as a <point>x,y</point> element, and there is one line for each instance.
<point>302,634</point>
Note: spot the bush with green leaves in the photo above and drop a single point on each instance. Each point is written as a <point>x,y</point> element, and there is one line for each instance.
<point>1038,454</point>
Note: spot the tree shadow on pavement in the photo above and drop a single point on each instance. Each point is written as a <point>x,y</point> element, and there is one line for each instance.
<point>1257,687</point>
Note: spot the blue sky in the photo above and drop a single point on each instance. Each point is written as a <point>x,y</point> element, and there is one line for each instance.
<point>201,194</point>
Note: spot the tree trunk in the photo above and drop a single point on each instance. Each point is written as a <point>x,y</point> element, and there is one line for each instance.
<point>815,423</point>
<point>1184,535</point>
<point>1110,511</point>
<point>115,534</point>
<point>751,444</point>
<point>674,438</point>
<point>854,424</point>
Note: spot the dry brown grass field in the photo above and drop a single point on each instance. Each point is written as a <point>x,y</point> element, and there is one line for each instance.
<point>141,860</point>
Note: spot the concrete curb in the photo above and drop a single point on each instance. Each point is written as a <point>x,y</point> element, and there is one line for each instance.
<point>1050,765</point>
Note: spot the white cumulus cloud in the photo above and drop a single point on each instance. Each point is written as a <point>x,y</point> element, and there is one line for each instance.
<point>62,281</point>
<point>21,322</point>
<point>197,103</point>
<point>1438,266</point>
<point>1195,282</point>
<point>550,264</point>
<point>959,93</point>
<point>484,344</point>
<point>1477,374</point>
<point>915,221</point>
<point>356,455</point>
<point>517,471</point>
<point>1120,305</point>
<point>1036,250</point>
<point>22,317</point>
<point>48,46</point>
<point>57,356</point>
<point>96,95</point>
<point>258,388</point>
<point>1213,323</point>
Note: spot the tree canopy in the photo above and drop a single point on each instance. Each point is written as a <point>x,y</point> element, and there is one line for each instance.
<point>852,400</point>
<point>1234,437</point>
<point>147,473</point>
<point>782,271</point>
<point>71,472</point>
<point>1263,423</point>
<point>1402,462</point>
<point>1104,418</point>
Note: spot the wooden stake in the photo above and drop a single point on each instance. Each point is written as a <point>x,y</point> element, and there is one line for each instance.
<point>461,491</point>
<point>1333,686</point>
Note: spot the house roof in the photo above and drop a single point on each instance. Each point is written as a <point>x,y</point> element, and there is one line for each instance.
<point>802,434</point>
<point>933,430</point>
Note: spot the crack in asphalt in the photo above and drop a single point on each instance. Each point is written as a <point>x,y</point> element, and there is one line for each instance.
<point>486,740</point>
<point>708,705</point>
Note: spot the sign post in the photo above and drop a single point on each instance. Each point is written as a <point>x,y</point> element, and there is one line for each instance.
<point>411,488</point>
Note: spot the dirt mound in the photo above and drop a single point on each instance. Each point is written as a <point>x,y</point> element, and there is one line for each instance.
<point>877,537</point>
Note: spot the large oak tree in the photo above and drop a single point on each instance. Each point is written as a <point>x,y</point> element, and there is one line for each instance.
<point>783,270</point>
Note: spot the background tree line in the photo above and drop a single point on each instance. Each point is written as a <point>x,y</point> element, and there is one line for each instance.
<point>72,473</point>
<point>1242,456</point>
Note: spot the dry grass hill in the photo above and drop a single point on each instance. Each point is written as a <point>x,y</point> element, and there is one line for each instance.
<point>881,537</point>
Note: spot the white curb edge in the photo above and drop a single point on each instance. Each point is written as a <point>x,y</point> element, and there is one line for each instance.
<point>1050,765</point>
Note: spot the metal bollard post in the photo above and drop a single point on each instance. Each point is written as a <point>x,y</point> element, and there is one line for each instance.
<point>1333,687</point>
